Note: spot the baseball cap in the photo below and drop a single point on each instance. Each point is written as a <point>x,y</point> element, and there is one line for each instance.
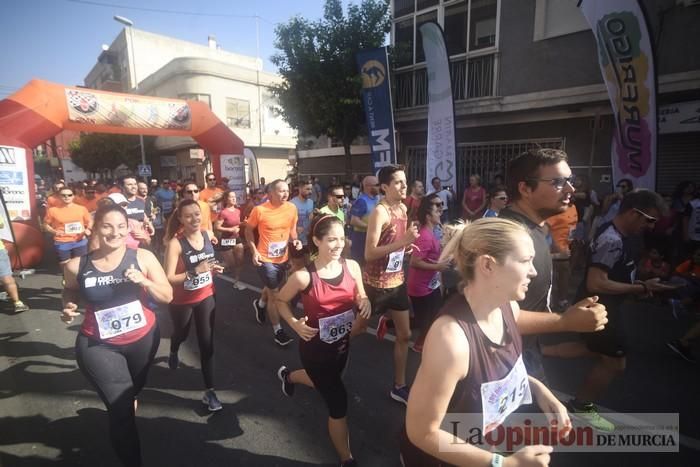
<point>118,198</point>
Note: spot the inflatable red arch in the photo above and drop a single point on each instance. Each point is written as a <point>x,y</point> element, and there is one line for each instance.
<point>41,109</point>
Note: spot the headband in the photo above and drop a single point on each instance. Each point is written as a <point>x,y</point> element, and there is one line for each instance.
<point>326,216</point>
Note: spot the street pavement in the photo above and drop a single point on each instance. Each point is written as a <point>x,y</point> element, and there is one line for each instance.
<point>49,415</point>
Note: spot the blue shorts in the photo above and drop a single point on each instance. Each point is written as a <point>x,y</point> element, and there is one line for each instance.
<point>68,250</point>
<point>273,275</point>
<point>5,264</point>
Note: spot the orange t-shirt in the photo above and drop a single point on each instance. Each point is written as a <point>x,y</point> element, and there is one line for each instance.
<point>90,204</point>
<point>72,219</point>
<point>688,268</point>
<point>274,225</point>
<point>206,215</point>
<point>208,193</point>
<point>562,227</point>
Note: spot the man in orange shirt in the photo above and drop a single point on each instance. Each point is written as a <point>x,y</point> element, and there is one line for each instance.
<point>562,228</point>
<point>89,201</point>
<point>70,224</point>
<point>211,192</point>
<point>276,222</point>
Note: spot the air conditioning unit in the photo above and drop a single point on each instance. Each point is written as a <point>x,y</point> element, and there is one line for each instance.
<point>688,2</point>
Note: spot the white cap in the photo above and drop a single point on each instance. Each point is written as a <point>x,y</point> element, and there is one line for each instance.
<point>118,198</point>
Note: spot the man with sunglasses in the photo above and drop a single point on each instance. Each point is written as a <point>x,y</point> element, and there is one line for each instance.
<point>211,191</point>
<point>70,224</point>
<point>612,260</point>
<point>498,199</point>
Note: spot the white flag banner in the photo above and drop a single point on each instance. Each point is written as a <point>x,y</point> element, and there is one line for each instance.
<point>627,63</point>
<point>441,149</point>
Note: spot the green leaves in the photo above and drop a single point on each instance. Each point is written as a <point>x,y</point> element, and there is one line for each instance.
<point>321,92</point>
<point>97,152</point>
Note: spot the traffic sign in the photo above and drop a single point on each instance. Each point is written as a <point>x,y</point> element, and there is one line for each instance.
<point>144,170</point>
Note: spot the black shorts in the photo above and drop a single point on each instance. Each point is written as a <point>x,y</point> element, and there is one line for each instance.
<point>383,300</point>
<point>611,341</point>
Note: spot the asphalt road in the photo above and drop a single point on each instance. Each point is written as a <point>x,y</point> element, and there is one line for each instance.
<point>49,415</point>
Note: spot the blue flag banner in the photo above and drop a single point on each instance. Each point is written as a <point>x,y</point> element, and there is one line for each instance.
<point>376,97</point>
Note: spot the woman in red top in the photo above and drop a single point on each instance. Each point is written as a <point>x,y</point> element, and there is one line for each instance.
<point>190,265</point>
<point>331,290</point>
<point>119,336</point>
<point>231,243</point>
<point>474,199</point>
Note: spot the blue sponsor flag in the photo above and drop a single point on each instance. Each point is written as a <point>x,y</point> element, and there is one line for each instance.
<point>376,97</point>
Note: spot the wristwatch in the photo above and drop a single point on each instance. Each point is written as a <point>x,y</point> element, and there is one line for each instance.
<point>497,460</point>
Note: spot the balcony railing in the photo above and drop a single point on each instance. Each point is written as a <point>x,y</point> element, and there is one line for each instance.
<point>471,78</point>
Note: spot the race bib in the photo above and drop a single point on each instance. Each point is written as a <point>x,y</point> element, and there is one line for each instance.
<point>395,261</point>
<point>228,241</point>
<point>198,281</point>
<point>333,328</point>
<point>500,398</point>
<point>434,282</point>
<point>73,228</point>
<point>112,322</point>
<point>276,249</point>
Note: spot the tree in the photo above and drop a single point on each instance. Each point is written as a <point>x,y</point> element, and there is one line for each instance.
<point>321,91</point>
<point>98,152</point>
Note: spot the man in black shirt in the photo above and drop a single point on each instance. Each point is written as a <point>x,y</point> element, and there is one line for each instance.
<point>539,186</point>
<point>610,271</point>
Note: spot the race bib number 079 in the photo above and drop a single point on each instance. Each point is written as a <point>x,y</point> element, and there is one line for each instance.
<point>112,322</point>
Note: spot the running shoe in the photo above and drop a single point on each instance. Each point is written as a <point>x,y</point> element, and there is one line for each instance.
<point>400,394</point>
<point>382,327</point>
<point>20,306</point>
<point>259,311</point>
<point>211,401</point>
<point>588,413</point>
<point>683,351</point>
<point>173,361</point>
<point>349,463</point>
<point>287,386</point>
<point>282,338</point>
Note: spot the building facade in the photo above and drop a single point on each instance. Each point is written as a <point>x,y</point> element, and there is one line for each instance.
<point>525,73</point>
<point>234,86</point>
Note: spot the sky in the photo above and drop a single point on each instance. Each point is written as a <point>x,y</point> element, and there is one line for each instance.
<point>60,40</point>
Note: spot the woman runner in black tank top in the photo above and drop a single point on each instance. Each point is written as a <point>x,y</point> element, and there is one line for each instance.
<point>331,290</point>
<point>472,357</point>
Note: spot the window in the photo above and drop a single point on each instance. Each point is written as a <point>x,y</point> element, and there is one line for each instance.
<point>423,4</point>
<point>456,29</point>
<point>237,113</point>
<point>482,24</point>
<point>403,7</point>
<point>206,98</point>
<point>554,18</point>
<point>403,43</point>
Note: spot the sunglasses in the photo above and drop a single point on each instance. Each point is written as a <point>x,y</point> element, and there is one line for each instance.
<point>502,198</point>
<point>339,196</point>
<point>647,217</point>
<point>192,191</point>
<point>559,182</point>
<point>211,179</point>
<point>440,204</point>
<point>67,196</point>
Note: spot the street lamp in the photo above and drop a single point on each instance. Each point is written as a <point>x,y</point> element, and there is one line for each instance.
<point>129,24</point>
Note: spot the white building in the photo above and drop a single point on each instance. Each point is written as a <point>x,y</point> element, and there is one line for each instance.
<point>234,86</point>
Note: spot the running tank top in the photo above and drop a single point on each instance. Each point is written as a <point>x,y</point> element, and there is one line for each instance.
<point>387,272</point>
<point>330,306</point>
<point>116,309</point>
<point>199,286</point>
<point>488,363</point>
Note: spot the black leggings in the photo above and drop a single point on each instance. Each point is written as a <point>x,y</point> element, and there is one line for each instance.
<point>118,373</point>
<point>326,375</point>
<point>204,314</point>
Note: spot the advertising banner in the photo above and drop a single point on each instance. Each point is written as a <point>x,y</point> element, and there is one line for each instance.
<point>681,117</point>
<point>5,222</point>
<point>126,110</point>
<point>627,63</point>
<point>14,182</point>
<point>441,148</point>
<point>233,168</point>
<point>376,97</point>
